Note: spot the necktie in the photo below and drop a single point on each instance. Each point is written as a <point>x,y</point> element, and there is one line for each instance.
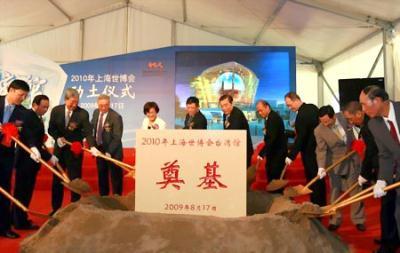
<point>227,121</point>
<point>99,131</point>
<point>67,117</point>
<point>337,132</point>
<point>393,132</point>
<point>189,122</point>
<point>7,113</point>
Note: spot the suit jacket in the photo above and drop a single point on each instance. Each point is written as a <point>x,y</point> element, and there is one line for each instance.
<point>17,117</point>
<point>33,133</point>
<point>77,129</point>
<point>238,121</point>
<point>112,133</point>
<point>306,121</point>
<point>274,138</point>
<point>370,164</point>
<point>389,150</point>
<point>330,147</point>
<point>198,121</point>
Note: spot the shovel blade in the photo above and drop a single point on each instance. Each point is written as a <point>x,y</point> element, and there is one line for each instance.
<point>78,186</point>
<point>297,190</point>
<point>81,185</point>
<point>37,214</point>
<point>276,184</point>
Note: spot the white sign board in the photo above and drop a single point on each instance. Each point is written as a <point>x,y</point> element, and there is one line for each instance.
<point>198,172</point>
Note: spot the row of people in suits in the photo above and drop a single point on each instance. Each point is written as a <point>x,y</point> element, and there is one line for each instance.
<point>322,136</point>
<point>68,123</point>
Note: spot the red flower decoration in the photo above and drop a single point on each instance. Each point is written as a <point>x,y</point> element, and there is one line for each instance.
<point>76,148</point>
<point>359,147</point>
<point>9,130</point>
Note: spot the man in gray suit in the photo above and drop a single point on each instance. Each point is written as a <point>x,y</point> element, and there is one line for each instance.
<point>107,131</point>
<point>384,125</point>
<point>334,138</point>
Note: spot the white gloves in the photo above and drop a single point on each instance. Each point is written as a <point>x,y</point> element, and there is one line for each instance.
<point>35,155</point>
<point>60,142</point>
<point>108,155</point>
<point>53,160</point>
<point>259,158</point>
<point>361,180</point>
<point>321,173</point>
<point>288,161</point>
<point>94,151</point>
<point>378,189</point>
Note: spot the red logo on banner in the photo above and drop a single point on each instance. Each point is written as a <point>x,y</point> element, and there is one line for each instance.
<point>155,65</point>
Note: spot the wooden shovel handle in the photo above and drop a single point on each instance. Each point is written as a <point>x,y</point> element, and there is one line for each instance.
<point>123,165</point>
<point>14,200</point>
<point>23,146</point>
<point>387,188</point>
<point>333,165</point>
<point>20,205</point>
<point>283,172</point>
<point>345,193</point>
<point>64,174</point>
<point>358,194</point>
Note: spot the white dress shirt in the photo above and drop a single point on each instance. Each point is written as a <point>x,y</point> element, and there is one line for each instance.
<point>157,124</point>
<point>391,117</point>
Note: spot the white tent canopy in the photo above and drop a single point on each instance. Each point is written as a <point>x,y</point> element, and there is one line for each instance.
<point>340,38</point>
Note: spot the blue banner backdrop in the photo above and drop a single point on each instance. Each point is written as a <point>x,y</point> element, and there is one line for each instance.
<point>169,75</point>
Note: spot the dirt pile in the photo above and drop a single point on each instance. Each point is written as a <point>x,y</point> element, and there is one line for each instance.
<point>109,224</point>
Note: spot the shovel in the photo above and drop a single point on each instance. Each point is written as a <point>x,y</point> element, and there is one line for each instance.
<point>360,198</point>
<point>331,208</point>
<point>127,167</point>
<point>280,183</point>
<point>304,190</point>
<point>20,205</point>
<point>341,197</point>
<point>77,185</point>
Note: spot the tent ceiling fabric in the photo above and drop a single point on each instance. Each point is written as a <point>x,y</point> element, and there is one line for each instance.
<point>316,33</point>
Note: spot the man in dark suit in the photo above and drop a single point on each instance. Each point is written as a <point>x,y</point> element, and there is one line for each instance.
<point>306,121</point>
<point>11,111</point>
<point>107,131</point>
<point>275,141</point>
<point>369,169</point>
<point>27,166</point>
<point>234,119</point>
<point>384,125</point>
<point>69,122</point>
<point>194,118</point>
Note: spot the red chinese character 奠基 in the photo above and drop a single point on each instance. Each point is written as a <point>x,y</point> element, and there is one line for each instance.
<point>171,175</point>
<point>210,181</point>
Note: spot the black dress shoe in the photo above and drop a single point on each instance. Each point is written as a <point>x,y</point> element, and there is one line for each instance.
<point>361,227</point>
<point>28,226</point>
<point>9,234</point>
<point>333,227</point>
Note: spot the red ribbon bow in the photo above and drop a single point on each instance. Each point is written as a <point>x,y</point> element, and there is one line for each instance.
<point>76,148</point>
<point>359,146</point>
<point>9,130</point>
